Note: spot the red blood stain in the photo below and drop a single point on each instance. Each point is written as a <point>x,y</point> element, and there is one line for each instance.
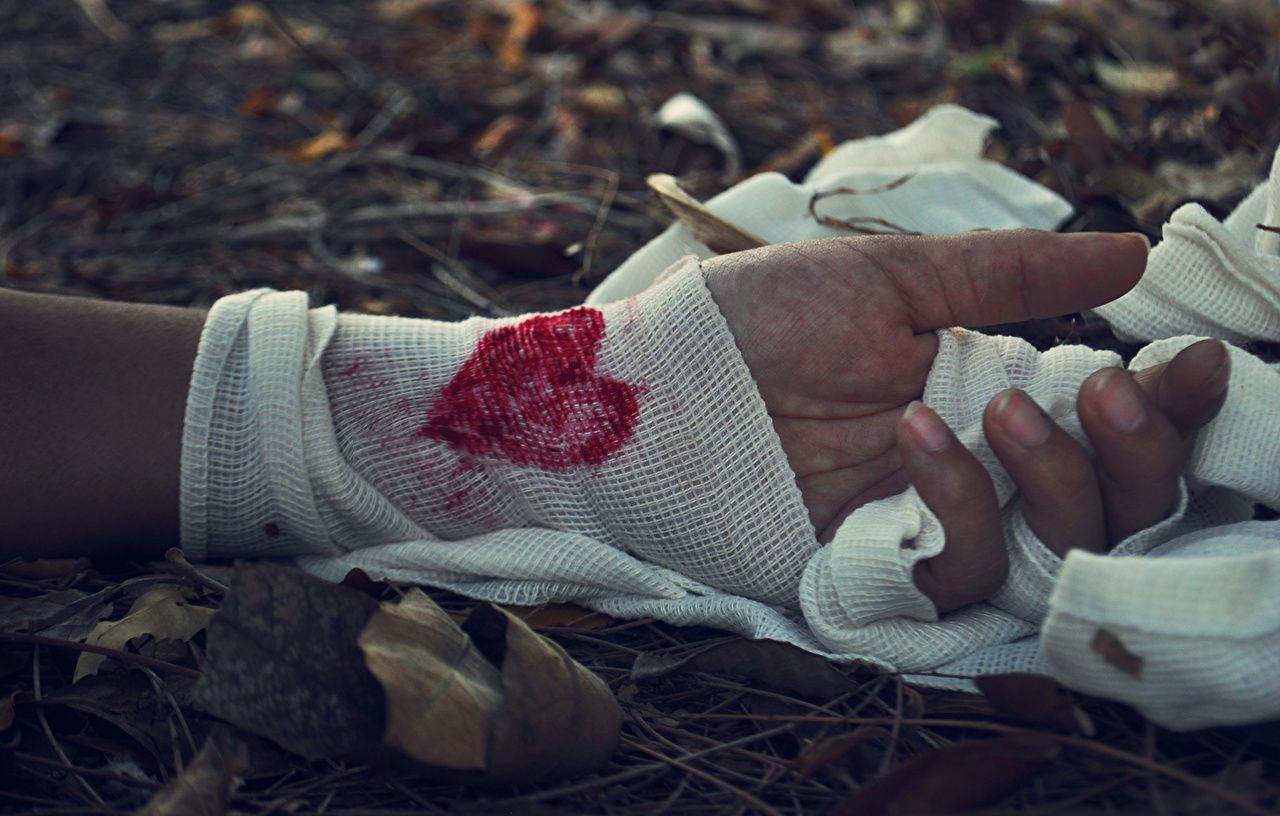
<point>530,394</point>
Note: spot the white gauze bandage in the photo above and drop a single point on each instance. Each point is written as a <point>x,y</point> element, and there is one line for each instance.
<point>523,446</point>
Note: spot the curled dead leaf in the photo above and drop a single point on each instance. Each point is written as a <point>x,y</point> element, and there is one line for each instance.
<point>327,143</point>
<point>524,20</point>
<point>326,671</point>
<point>491,696</point>
<point>282,662</point>
<point>205,786</point>
<point>1034,698</point>
<point>1148,79</point>
<point>834,749</point>
<point>161,612</point>
<point>777,666</point>
<point>720,235</point>
<point>954,778</point>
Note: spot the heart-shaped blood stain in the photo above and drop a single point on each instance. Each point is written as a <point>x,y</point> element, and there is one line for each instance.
<point>530,394</point>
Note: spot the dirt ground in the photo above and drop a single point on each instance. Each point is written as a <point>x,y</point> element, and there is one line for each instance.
<point>441,159</point>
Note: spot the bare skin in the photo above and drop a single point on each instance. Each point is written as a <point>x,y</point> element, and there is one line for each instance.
<point>92,396</point>
<point>838,335</point>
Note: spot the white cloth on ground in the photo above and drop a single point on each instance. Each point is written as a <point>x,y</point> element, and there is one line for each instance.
<point>696,519</point>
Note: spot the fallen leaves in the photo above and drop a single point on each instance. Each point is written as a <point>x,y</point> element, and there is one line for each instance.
<point>720,235</point>
<point>326,671</point>
<point>1137,79</point>
<point>162,613</point>
<point>205,786</point>
<point>1034,698</point>
<point>325,144</point>
<point>770,664</point>
<point>954,777</point>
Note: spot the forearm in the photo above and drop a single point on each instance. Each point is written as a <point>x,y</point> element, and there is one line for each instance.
<point>91,409</point>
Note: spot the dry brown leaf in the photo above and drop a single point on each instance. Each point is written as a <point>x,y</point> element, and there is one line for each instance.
<point>835,749</point>
<point>326,671</point>
<point>954,778</point>
<point>720,235</point>
<point>1137,78</point>
<point>10,141</point>
<point>1116,653</point>
<point>1033,698</point>
<point>499,135</point>
<point>1089,146</point>
<point>327,143</point>
<point>492,697</point>
<point>282,662</point>
<point>524,20</point>
<point>777,666</point>
<point>161,612</point>
<point>260,101</point>
<point>205,786</point>
<point>440,690</point>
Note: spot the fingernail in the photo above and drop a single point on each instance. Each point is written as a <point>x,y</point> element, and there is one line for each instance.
<point>926,428</point>
<point>1144,238</point>
<point>1022,419</point>
<point>1218,357</point>
<point>1119,401</point>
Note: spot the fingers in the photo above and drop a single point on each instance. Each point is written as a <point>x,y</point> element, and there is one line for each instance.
<point>1142,427</point>
<point>1191,388</point>
<point>956,487</point>
<point>1058,488</point>
<point>1004,276</point>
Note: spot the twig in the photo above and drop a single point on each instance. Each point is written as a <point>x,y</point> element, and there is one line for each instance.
<point>162,690</point>
<point>103,19</point>
<point>455,276</point>
<point>895,731</point>
<point>602,216</point>
<point>128,657</point>
<point>20,756</point>
<point>980,725</point>
<point>622,776</point>
<point>48,732</point>
<point>285,27</point>
<point>732,790</point>
<point>178,559</point>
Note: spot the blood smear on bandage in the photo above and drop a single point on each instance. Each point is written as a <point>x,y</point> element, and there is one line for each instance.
<point>530,394</point>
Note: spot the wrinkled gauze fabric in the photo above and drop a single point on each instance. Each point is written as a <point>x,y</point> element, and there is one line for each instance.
<point>595,453</point>
<point>1210,278</point>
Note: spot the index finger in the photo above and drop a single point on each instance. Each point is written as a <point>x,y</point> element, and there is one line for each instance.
<point>1005,276</point>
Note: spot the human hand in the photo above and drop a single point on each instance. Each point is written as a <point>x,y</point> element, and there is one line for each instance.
<point>838,334</point>
<point>1141,425</point>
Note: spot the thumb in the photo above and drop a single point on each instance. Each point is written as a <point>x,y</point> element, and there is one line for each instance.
<point>1004,276</point>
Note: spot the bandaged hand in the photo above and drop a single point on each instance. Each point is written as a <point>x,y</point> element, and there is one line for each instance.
<point>838,335</point>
